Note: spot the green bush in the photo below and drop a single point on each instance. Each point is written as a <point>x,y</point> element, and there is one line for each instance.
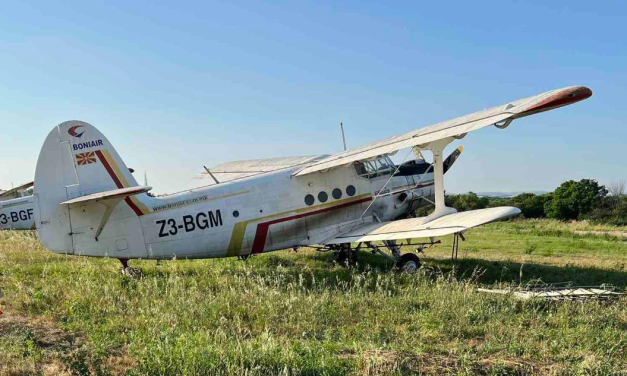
<point>613,212</point>
<point>584,199</point>
<point>531,205</point>
<point>574,200</point>
<point>468,201</point>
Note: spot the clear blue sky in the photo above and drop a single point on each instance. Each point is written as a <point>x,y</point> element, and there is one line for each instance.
<point>178,85</point>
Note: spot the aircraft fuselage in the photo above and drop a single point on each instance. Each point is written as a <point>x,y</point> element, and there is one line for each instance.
<point>259,214</point>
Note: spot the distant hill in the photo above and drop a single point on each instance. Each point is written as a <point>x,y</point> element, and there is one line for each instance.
<point>508,194</point>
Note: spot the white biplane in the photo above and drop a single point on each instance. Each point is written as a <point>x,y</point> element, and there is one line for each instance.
<point>16,208</point>
<point>88,203</point>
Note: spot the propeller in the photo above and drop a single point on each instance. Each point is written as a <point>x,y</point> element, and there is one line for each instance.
<point>448,162</point>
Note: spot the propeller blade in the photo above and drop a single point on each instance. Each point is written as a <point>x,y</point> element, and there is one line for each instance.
<point>448,162</point>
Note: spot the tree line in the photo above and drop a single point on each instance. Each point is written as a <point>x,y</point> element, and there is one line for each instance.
<point>583,199</point>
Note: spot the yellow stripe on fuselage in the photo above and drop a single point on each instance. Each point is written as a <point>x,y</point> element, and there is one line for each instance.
<point>239,230</point>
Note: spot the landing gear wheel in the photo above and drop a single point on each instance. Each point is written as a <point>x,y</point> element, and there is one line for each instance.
<point>346,257</point>
<point>408,263</point>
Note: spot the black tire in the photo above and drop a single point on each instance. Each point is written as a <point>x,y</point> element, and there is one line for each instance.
<point>341,257</point>
<point>408,263</point>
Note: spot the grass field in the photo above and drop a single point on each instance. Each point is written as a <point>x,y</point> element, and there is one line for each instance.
<point>299,313</point>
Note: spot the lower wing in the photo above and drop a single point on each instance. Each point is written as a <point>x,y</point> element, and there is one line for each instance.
<point>413,227</point>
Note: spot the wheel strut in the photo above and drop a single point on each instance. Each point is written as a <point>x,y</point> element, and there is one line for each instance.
<point>455,249</point>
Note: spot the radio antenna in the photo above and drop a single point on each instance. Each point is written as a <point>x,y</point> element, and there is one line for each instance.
<point>343,136</point>
<point>210,174</point>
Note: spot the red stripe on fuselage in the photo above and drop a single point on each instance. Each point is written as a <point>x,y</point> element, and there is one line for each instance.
<point>262,229</point>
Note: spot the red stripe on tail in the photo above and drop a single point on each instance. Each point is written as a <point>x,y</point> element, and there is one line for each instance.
<point>117,181</point>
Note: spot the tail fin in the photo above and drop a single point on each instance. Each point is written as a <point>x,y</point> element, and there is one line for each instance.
<point>77,160</point>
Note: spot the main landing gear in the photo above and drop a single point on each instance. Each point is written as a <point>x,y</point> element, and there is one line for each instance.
<point>134,273</point>
<point>345,255</point>
<point>408,262</point>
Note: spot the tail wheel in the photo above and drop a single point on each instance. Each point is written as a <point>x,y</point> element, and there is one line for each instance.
<point>408,263</point>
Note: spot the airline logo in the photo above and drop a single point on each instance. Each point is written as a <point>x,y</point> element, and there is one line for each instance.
<point>83,159</point>
<point>76,131</point>
<point>87,145</point>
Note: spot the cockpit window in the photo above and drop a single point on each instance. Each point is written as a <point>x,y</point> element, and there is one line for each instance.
<point>376,167</point>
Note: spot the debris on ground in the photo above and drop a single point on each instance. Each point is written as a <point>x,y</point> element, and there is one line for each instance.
<point>560,291</point>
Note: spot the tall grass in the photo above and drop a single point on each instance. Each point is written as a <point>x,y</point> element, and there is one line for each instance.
<point>299,314</point>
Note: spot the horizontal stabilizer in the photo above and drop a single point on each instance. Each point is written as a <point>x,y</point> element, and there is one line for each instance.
<point>414,228</point>
<point>108,195</point>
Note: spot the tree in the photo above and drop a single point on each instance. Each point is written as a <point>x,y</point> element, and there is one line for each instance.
<point>468,201</point>
<point>620,213</point>
<point>616,188</point>
<point>574,199</point>
<point>531,205</point>
<point>616,192</point>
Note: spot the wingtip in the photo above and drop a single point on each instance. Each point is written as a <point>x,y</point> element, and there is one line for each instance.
<point>584,92</point>
<point>558,98</point>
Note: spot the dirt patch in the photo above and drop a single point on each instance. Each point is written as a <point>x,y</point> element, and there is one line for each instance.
<point>33,345</point>
<point>45,333</point>
<point>36,345</point>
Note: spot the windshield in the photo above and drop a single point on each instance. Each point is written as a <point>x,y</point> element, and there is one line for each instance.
<point>377,167</point>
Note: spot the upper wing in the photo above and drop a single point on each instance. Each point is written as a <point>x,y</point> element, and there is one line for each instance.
<point>242,169</point>
<point>413,228</point>
<point>456,127</point>
<point>12,191</point>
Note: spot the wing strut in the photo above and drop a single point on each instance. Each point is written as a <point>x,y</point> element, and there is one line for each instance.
<point>437,148</point>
